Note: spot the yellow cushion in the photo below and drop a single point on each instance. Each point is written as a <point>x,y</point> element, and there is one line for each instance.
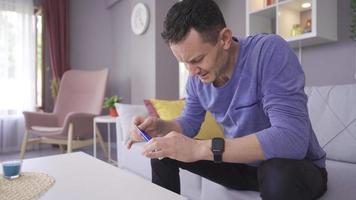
<point>169,110</point>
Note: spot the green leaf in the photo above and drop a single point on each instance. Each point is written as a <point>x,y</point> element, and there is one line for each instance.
<point>110,101</point>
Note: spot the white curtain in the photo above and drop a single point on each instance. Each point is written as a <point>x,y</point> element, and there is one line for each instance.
<point>17,69</point>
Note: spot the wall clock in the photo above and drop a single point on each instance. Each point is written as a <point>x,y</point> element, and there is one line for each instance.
<point>140,18</point>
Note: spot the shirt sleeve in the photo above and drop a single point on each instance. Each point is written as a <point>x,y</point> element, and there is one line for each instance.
<point>193,113</point>
<point>284,102</point>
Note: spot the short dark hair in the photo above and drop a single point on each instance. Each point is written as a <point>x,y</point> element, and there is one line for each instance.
<point>203,15</point>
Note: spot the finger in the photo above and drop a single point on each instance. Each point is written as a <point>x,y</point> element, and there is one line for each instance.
<point>149,147</point>
<point>129,144</point>
<point>172,134</point>
<point>134,136</point>
<point>134,133</point>
<point>133,130</point>
<point>146,123</point>
<point>152,145</point>
<point>137,120</point>
<point>155,154</point>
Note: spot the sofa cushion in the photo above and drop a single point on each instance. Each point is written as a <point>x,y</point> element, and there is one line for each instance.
<point>341,181</point>
<point>124,121</point>
<point>212,191</point>
<point>165,109</point>
<point>332,112</point>
<point>190,184</point>
<point>169,110</point>
<point>134,161</point>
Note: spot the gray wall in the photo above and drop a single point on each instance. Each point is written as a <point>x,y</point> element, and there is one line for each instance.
<point>90,34</point>
<point>140,66</point>
<point>234,14</point>
<point>142,54</point>
<point>121,43</point>
<point>167,70</point>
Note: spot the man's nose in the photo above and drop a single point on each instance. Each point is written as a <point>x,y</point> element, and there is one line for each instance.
<point>193,70</point>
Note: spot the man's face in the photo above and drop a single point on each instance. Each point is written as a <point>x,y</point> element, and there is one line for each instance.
<point>201,58</point>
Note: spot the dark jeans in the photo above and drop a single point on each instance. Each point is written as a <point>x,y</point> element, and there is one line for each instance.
<point>277,178</point>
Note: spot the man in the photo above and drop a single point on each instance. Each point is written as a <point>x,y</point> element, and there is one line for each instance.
<point>254,87</point>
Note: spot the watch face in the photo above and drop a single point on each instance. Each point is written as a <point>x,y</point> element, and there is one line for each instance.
<point>139,19</point>
<point>218,144</point>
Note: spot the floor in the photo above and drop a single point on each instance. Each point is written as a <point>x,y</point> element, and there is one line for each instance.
<point>49,150</point>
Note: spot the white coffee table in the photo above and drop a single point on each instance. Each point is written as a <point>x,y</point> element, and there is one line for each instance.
<point>81,176</point>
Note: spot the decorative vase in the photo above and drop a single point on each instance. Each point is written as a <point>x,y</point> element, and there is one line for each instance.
<point>296,30</point>
<point>308,25</point>
<point>269,2</point>
<point>113,112</point>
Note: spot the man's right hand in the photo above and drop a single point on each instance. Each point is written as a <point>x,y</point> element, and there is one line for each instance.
<point>148,124</point>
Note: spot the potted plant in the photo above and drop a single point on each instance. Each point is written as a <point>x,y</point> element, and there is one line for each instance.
<point>109,102</point>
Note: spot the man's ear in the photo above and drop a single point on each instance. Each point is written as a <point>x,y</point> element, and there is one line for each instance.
<point>225,38</point>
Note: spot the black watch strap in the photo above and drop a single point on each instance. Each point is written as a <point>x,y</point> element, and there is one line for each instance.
<point>218,158</point>
<point>217,148</point>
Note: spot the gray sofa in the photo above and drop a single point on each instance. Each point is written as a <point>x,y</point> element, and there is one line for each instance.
<point>332,111</point>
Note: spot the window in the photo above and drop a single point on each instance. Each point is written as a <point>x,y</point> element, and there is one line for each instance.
<point>7,56</point>
<point>17,57</point>
<point>17,69</point>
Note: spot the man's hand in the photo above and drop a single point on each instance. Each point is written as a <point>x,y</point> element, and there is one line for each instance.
<point>148,124</point>
<point>175,146</point>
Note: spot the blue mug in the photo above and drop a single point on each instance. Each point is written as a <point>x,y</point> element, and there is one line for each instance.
<point>11,169</point>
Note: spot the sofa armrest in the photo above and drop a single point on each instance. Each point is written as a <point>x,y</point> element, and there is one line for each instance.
<point>119,133</point>
<point>124,121</point>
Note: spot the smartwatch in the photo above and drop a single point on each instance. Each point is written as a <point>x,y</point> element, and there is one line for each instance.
<point>217,147</point>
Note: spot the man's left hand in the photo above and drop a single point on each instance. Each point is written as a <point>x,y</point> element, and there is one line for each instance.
<point>174,145</point>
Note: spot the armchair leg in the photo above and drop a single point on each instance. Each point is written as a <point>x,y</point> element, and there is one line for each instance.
<point>23,145</point>
<point>102,144</point>
<point>61,148</point>
<point>70,138</point>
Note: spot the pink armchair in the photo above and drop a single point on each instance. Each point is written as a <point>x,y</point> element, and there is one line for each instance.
<point>79,99</point>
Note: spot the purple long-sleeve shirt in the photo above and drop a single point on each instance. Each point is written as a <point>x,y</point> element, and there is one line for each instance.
<point>265,96</point>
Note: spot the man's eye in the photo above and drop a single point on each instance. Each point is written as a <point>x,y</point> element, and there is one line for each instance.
<point>197,60</point>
